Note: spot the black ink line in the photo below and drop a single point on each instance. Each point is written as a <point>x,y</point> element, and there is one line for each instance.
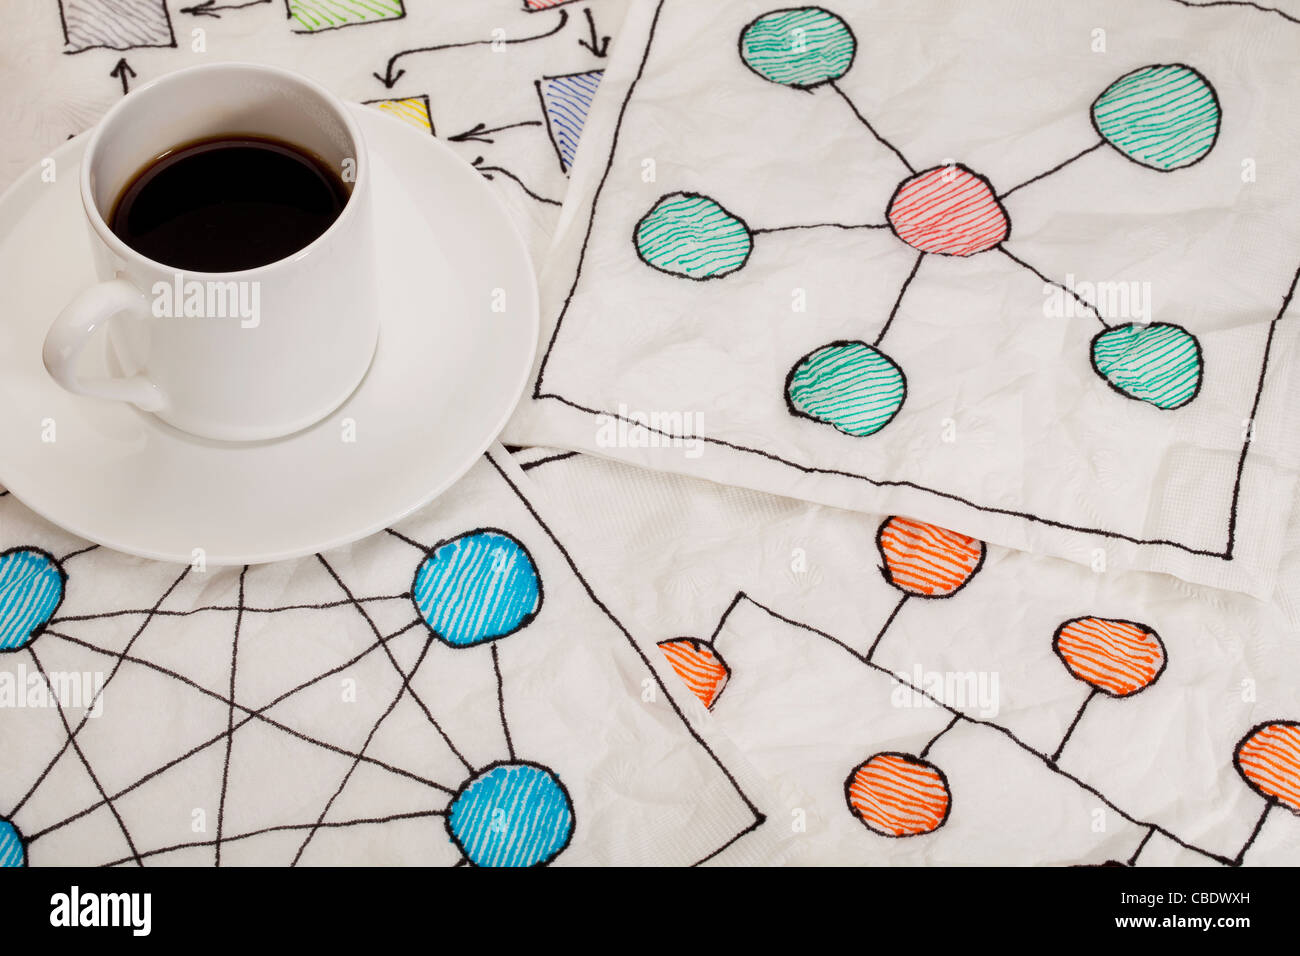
<point>122,71</point>
<point>1259,825</point>
<point>1074,723</point>
<point>1066,289</point>
<point>389,79</point>
<point>252,714</point>
<point>501,701</point>
<point>899,301</point>
<point>598,45</point>
<point>893,483</point>
<point>822,225</point>
<point>1239,3</point>
<point>260,714</point>
<point>530,465</point>
<point>1254,411</point>
<point>488,170</point>
<point>247,609</point>
<point>411,541</point>
<point>725,614</point>
<point>1132,861</point>
<point>404,687</point>
<point>888,621</point>
<point>65,558</point>
<point>871,129</point>
<point>627,635</point>
<point>393,660</point>
<point>1217,857</point>
<point>94,778</point>
<point>600,188</point>
<point>935,739</point>
<point>230,714</point>
<point>479,134</point>
<point>95,700</point>
<point>208,9</point>
<point>416,815</point>
<point>743,833</point>
<point>1055,169</point>
<point>550,128</point>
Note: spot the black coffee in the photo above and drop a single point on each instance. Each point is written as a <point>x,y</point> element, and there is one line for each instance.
<point>228,203</point>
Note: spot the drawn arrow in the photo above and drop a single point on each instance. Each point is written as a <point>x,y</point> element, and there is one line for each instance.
<point>122,71</point>
<point>389,78</point>
<point>480,135</point>
<point>487,172</point>
<point>208,8</point>
<point>598,44</point>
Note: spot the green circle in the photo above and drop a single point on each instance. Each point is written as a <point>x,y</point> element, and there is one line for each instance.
<point>802,47</point>
<point>851,386</point>
<point>685,234</point>
<point>1164,117</point>
<point>1159,364</point>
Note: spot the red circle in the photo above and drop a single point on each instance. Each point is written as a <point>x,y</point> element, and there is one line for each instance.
<point>950,211</point>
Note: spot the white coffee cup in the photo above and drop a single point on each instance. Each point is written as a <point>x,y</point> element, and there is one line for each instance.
<point>225,372</point>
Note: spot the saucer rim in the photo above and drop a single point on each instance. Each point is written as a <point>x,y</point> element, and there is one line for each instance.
<point>169,438</point>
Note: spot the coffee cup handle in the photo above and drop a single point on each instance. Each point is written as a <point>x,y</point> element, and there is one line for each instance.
<point>71,332</point>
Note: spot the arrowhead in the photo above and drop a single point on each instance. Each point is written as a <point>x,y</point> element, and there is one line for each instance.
<point>202,10</point>
<point>122,68</point>
<point>389,80</point>
<point>469,134</point>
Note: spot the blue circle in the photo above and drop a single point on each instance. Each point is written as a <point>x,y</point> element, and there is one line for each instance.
<point>12,851</point>
<point>31,587</point>
<point>511,814</point>
<point>477,587</point>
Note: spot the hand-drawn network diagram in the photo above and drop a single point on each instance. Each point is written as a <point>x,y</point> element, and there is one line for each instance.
<point>137,24</point>
<point>895,794</point>
<point>564,99</point>
<point>476,593</point>
<point>1164,117</point>
<point>474,589</point>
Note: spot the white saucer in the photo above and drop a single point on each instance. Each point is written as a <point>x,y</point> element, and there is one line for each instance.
<point>447,374</point>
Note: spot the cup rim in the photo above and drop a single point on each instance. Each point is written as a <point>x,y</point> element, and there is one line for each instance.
<point>120,248</point>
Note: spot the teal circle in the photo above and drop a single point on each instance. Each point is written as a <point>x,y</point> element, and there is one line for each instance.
<point>31,588</point>
<point>800,47</point>
<point>511,814</point>
<point>851,386</point>
<point>477,587</point>
<point>1163,117</point>
<point>689,235</point>
<point>1159,363</point>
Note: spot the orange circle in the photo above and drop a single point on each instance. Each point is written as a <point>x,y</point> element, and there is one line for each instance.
<point>1269,758</point>
<point>702,668</point>
<point>925,560</point>
<point>898,795</point>
<point>1117,657</point>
